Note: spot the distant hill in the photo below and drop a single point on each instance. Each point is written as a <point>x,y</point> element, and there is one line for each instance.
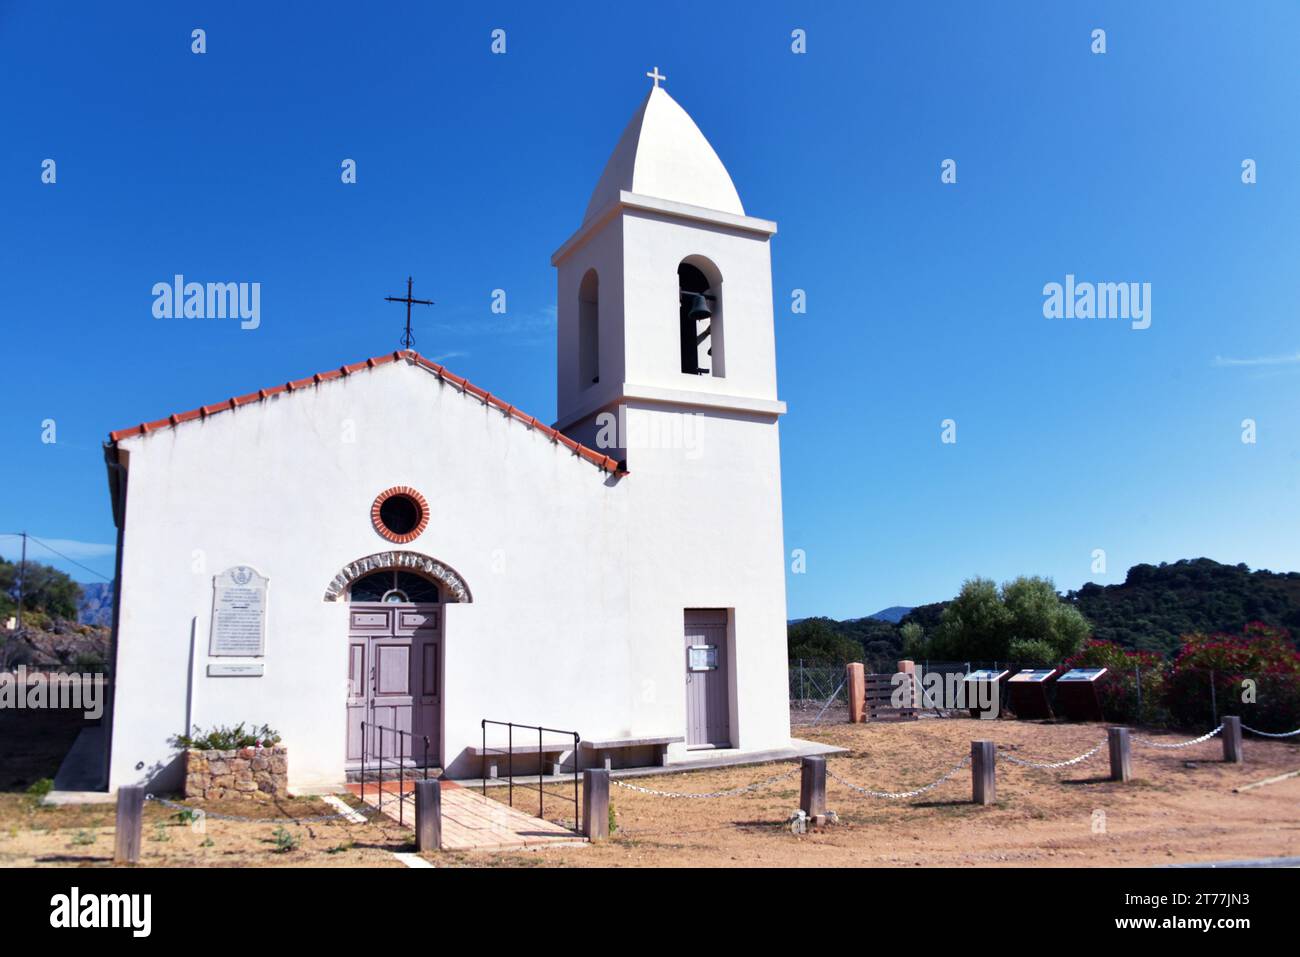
<point>1158,603</point>
<point>96,604</point>
<point>893,614</point>
<point>1150,611</point>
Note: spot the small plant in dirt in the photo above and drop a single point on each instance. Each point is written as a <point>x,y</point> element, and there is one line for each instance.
<point>284,841</point>
<point>37,790</point>
<point>160,833</point>
<point>613,823</point>
<point>226,738</point>
<point>84,837</point>
<point>208,842</point>
<point>186,816</point>
<point>341,848</point>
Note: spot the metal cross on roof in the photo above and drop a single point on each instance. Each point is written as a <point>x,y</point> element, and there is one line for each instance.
<point>656,76</point>
<point>407,338</point>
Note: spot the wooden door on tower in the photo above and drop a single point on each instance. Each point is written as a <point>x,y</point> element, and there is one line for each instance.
<point>708,685</point>
<point>394,681</point>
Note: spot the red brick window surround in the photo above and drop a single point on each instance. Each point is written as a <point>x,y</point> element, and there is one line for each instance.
<point>400,514</point>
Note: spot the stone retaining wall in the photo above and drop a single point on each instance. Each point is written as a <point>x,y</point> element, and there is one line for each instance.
<point>256,774</point>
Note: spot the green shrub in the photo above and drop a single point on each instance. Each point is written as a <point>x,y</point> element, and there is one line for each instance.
<point>1032,651</point>
<point>1261,654</point>
<point>225,738</point>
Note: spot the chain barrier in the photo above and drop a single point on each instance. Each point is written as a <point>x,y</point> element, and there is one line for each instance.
<point>711,794</point>
<point>1182,744</point>
<point>897,795</point>
<point>1052,765</point>
<point>366,811</point>
<point>1270,734</point>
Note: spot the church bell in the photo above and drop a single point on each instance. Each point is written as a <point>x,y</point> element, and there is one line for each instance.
<point>697,306</point>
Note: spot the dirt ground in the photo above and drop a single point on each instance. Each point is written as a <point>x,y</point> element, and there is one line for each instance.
<point>33,743</point>
<point>1180,808</point>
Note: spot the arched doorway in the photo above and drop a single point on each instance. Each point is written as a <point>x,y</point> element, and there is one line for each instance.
<point>394,660</point>
<point>396,604</point>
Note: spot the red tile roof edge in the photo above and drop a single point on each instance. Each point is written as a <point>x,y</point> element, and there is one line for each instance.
<point>596,458</point>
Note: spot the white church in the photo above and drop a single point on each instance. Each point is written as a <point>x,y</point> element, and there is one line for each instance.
<point>387,547</point>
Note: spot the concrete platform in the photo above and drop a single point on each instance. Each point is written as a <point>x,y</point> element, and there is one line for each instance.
<point>692,761</point>
<point>472,822</point>
<point>731,757</point>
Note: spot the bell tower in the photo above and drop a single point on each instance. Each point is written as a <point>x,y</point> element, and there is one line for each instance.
<point>667,362</point>
<point>665,290</point>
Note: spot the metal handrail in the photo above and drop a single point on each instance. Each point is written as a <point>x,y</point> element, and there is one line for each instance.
<point>401,762</point>
<point>541,765</point>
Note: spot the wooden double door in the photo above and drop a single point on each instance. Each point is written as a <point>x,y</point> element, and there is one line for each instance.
<point>394,681</point>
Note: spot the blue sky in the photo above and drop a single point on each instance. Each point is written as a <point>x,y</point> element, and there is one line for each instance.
<point>924,299</point>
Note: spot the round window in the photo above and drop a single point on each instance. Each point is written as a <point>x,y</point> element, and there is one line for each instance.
<point>400,514</point>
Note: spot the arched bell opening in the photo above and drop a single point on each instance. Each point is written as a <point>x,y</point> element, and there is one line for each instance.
<point>699,293</point>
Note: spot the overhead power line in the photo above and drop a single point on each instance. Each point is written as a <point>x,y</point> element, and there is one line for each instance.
<point>72,561</point>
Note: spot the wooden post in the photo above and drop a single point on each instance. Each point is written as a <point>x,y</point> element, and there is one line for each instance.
<point>1232,740</point>
<point>856,680</point>
<point>812,789</point>
<point>908,668</point>
<point>1121,767</point>
<point>130,820</point>
<point>983,777</point>
<point>428,816</point>
<point>595,804</point>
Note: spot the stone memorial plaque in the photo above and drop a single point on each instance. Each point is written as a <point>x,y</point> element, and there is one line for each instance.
<point>238,614</point>
<point>236,671</point>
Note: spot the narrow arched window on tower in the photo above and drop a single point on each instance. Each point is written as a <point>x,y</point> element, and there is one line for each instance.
<point>589,330</point>
<point>699,317</point>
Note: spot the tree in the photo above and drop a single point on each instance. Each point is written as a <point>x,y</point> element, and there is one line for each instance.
<point>44,589</point>
<point>816,639</point>
<point>1024,620</point>
<point>915,645</point>
<point>1042,625</point>
<point>975,625</point>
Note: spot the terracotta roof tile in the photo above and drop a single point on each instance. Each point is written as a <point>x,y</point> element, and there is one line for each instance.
<point>599,459</point>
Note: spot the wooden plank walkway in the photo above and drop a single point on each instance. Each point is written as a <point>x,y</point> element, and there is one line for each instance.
<point>472,822</point>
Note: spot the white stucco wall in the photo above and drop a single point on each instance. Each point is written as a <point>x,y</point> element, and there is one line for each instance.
<point>576,619</point>
<point>706,517</point>
<point>531,527</point>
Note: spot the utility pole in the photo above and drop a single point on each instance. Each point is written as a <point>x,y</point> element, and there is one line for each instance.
<point>22,574</point>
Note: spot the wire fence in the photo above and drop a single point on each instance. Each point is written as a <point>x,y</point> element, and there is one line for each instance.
<point>1164,696</point>
<point>818,693</point>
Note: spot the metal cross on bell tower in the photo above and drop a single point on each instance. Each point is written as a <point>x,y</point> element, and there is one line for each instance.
<point>407,338</point>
